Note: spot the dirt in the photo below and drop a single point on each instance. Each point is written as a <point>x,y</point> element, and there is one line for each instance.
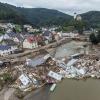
<point>7,94</point>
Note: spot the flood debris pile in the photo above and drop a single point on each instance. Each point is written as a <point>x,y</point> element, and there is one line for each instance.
<point>82,67</point>
<point>44,69</point>
<point>6,77</point>
<point>25,81</point>
<point>36,73</point>
<point>90,64</point>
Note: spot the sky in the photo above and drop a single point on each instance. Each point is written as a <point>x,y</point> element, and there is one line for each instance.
<point>66,6</point>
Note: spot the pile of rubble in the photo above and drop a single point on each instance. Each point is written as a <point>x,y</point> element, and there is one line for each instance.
<point>31,77</point>
<point>82,67</point>
<point>42,70</point>
<point>91,64</point>
<point>48,70</point>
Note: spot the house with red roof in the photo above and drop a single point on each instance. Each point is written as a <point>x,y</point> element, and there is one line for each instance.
<point>31,42</point>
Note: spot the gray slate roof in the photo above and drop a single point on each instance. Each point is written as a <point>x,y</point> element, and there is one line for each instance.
<point>2,47</point>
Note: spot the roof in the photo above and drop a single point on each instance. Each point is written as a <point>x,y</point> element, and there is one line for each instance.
<point>55,75</point>
<point>11,34</point>
<point>24,79</point>
<point>33,38</point>
<point>38,60</point>
<point>9,42</point>
<point>17,35</point>
<point>47,33</point>
<point>5,36</point>
<point>2,47</point>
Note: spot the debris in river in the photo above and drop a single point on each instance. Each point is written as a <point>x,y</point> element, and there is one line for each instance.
<point>42,70</point>
<point>55,75</point>
<point>53,87</point>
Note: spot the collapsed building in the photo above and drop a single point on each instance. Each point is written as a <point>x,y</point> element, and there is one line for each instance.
<point>44,69</point>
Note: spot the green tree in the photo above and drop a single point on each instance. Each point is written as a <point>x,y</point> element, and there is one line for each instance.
<point>98,36</point>
<point>18,28</point>
<point>2,31</point>
<point>79,26</point>
<point>93,39</point>
<point>14,30</point>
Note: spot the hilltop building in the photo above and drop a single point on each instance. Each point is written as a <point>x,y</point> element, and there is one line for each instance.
<point>77,17</point>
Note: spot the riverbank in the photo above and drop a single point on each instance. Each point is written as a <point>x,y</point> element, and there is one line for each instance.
<point>21,57</point>
<point>14,58</point>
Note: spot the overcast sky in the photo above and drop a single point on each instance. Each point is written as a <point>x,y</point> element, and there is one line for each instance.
<point>67,6</point>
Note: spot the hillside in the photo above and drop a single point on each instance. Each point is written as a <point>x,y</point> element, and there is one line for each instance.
<point>34,16</point>
<point>43,16</point>
<point>92,18</point>
<point>10,13</point>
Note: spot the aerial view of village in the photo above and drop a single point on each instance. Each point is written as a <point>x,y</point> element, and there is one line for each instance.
<point>49,50</point>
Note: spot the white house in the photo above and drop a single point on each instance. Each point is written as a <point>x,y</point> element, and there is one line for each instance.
<point>10,25</point>
<point>7,26</point>
<point>72,35</point>
<point>5,36</point>
<point>6,50</point>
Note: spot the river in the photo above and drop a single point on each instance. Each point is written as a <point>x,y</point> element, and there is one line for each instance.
<point>77,90</point>
<point>69,89</point>
<point>69,49</point>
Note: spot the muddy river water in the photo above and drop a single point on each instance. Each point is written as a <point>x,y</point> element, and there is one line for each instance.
<point>77,90</point>
<point>69,89</point>
<point>69,49</point>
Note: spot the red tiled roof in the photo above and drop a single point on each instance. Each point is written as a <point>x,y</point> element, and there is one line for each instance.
<point>32,39</point>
